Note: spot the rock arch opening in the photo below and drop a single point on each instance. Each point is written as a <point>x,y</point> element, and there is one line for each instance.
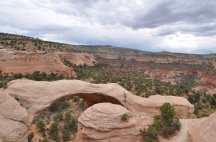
<point>94,98</point>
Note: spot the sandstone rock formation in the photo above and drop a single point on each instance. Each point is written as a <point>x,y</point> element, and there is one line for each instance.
<point>78,58</point>
<point>23,99</point>
<point>36,96</point>
<point>28,62</point>
<point>203,130</point>
<point>13,119</point>
<point>102,122</point>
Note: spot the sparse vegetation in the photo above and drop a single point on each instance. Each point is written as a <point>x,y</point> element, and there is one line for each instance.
<point>65,135</point>
<point>58,117</point>
<point>165,124</point>
<point>58,105</point>
<point>70,123</point>
<point>38,76</point>
<point>30,137</point>
<point>53,132</point>
<point>41,126</point>
<point>125,117</point>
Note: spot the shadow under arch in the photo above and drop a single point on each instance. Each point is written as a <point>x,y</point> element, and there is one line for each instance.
<point>93,98</point>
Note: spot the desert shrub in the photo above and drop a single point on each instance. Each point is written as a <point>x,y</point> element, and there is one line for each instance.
<point>125,117</point>
<point>149,135</point>
<point>65,135</point>
<point>40,126</point>
<point>165,124</point>
<point>70,123</point>
<point>58,105</point>
<point>53,131</point>
<point>3,85</point>
<point>30,137</point>
<point>53,107</point>
<point>82,104</point>
<point>58,117</point>
<point>76,98</point>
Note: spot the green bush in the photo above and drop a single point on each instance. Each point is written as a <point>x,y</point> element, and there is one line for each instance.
<point>65,135</point>
<point>149,135</point>
<point>76,98</point>
<point>53,131</point>
<point>125,117</point>
<point>41,126</point>
<point>70,123</point>
<point>82,104</point>
<point>58,105</point>
<point>165,124</point>
<point>30,137</point>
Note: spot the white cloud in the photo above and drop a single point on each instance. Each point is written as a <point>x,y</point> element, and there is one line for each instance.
<point>189,43</point>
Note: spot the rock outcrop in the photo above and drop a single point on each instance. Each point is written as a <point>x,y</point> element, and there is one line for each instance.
<point>78,58</point>
<point>102,122</point>
<point>13,119</point>
<point>203,130</point>
<point>28,62</point>
<point>23,99</point>
<point>37,95</point>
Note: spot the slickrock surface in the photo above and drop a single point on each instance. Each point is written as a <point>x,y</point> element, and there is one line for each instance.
<point>203,130</point>
<point>102,122</point>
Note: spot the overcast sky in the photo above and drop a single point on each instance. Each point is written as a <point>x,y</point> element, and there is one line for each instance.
<point>187,26</point>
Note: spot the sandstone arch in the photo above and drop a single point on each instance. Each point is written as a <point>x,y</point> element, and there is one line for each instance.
<point>37,95</point>
<point>30,97</point>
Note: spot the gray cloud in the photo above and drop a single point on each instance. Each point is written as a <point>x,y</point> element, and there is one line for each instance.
<point>144,24</point>
<point>173,11</point>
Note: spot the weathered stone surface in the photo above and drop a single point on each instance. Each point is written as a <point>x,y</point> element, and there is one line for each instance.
<point>102,123</point>
<point>11,109</point>
<point>37,95</point>
<point>13,119</point>
<point>11,131</point>
<point>203,130</point>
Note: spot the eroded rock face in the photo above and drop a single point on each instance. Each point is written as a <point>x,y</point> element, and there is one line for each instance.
<point>37,95</point>
<point>13,119</point>
<point>203,130</point>
<point>28,62</point>
<point>11,131</point>
<point>102,123</point>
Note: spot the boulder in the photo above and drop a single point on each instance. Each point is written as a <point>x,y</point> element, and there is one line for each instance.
<point>102,123</point>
